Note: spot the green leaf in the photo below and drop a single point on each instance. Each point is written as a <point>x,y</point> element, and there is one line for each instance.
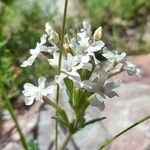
<point>72,92</point>
<point>91,122</point>
<point>62,118</point>
<point>32,145</point>
<point>69,86</point>
<point>3,43</point>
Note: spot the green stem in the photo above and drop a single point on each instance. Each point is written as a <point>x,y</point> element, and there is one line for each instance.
<point>67,139</point>
<point>122,132</point>
<point>59,68</point>
<point>13,116</point>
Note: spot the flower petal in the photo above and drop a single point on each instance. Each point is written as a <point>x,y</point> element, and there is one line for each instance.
<point>112,85</point>
<point>98,102</point>
<point>60,79</point>
<point>41,82</point>
<point>131,69</point>
<point>28,62</point>
<point>43,39</point>
<point>96,46</point>
<point>29,100</point>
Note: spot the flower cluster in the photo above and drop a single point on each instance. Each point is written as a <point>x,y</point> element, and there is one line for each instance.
<point>86,69</point>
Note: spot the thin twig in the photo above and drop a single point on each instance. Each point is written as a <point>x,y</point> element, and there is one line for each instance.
<point>122,132</point>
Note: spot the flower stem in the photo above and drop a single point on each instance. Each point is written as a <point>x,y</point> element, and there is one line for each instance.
<point>122,132</point>
<point>62,36</point>
<point>67,138</point>
<point>13,116</point>
<point>59,67</point>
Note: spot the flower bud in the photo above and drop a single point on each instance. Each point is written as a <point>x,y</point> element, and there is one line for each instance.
<point>53,37</point>
<point>98,34</point>
<point>66,46</point>
<point>48,28</point>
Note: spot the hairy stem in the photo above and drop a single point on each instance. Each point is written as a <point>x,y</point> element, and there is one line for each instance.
<point>59,67</point>
<point>13,116</point>
<point>122,132</point>
<point>67,139</point>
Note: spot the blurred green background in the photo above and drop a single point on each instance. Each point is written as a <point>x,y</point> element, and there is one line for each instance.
<point>126,26</point>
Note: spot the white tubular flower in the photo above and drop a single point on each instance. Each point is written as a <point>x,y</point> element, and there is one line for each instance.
<point>35,52</point>
<point>70,65</point>
<point>101,87</point>
<point>32,92</point>
<point>131,69</point>
<point>113,56</point>
<point>40,47</point>
<point>82,45</point>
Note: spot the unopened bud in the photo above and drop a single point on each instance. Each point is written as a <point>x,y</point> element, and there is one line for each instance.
<point>66,47</point>
<point>53,37</point>
<point>98,34</point>
<point>48,28</point>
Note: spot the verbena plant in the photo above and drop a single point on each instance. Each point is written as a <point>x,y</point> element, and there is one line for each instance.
<point>84,67</point>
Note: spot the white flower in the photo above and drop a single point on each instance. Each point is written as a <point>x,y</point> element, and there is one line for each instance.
<point>101,87</point>
<point>113,56</point>
<point>70,64</point>
<point>69,67</point>
<point>82,45</point>
<point>131,69</point>
<point>32,92</point>
<point>40,47</point>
